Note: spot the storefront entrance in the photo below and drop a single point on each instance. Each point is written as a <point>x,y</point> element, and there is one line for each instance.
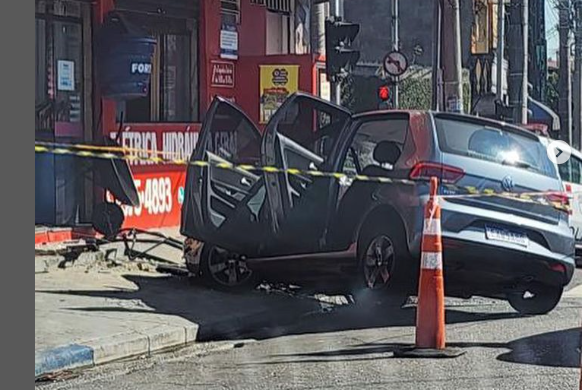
<point>59,108</point>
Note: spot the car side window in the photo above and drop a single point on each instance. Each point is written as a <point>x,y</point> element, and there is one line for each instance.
<point>565,170</point>
<point>360,154</point>
<point>576,170</point>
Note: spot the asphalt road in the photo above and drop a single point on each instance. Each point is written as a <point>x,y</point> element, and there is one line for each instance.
<point>352,348</point>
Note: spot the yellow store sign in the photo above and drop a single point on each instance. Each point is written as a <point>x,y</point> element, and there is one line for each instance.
<point>278,82</point>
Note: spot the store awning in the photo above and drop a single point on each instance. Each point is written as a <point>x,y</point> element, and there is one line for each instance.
<point>540,113</point>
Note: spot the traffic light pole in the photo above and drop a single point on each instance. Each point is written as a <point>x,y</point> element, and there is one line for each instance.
<point>395,47</point>
<point>336,10</point>
<point>437,104</point>
<point>565,87</point>
<point>500,49</point>
<point>451,55</point>
<point>518,55</point>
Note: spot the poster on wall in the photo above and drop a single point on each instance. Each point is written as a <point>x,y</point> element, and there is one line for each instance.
<point>222,74</point>
<point>228,42</point>
<point>65,75</point>
<point>277,83</point>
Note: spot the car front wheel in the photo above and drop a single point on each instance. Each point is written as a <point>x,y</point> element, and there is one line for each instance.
<point>536,299</point>
<point>225,270</point>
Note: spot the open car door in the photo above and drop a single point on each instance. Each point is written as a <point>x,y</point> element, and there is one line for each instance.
<point>301,135</point>
<point>224,206</point>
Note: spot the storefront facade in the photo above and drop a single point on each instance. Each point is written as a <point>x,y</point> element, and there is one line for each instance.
<point>253,52</point>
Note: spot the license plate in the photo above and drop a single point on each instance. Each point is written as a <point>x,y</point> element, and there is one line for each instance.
<point>504,235</point>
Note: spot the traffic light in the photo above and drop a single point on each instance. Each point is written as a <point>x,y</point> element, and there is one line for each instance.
<point>384,95</point>
<point>340,59</point>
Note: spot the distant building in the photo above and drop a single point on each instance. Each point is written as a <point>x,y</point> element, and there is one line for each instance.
<point>416,29</point>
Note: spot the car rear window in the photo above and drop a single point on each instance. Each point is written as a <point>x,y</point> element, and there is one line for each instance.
<point>496,144</point>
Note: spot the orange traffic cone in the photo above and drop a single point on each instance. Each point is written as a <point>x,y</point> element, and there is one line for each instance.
<point>430,312</point>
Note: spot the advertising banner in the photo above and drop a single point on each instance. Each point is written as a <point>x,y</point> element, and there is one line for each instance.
<point>277,82</point>
<point>160,186</point>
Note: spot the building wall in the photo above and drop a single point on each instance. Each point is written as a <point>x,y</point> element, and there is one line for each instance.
<point>416,28</point>
<point>168,181</point>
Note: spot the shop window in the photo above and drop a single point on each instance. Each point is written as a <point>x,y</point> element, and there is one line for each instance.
<point>59,7</point>
<point>58,69</point>
<point>230,11</point>
<point>170,97</point>
<point>279,6</point>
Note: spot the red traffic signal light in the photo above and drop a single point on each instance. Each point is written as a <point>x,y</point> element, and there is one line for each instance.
<point>384,93</point>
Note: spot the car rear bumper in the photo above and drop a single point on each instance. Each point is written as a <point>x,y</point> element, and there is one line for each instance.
<point>481,265</point>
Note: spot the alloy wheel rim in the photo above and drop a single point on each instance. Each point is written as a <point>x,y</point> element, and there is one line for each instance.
<point>228,269</point>
<point>378,263</point>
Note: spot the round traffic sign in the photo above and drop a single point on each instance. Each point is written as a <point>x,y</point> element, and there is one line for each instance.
<point>395,64</point>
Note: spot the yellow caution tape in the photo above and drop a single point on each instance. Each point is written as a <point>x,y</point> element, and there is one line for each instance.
<point>119,153</point>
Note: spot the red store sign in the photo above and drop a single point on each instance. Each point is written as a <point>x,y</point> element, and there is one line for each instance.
<point>160,186</point>
<point>222,74</point>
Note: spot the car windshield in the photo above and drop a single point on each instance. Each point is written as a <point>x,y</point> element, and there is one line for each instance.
<point>494,144</point>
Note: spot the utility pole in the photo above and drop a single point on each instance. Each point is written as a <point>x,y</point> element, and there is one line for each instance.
<point>451,57</point>
<point>437,93</point>
<point>396,47</point>
<point>518,57</point>
<point>577,132</point>
<point>336,11</point>
<point>565,104</point>
<point>500,49</point>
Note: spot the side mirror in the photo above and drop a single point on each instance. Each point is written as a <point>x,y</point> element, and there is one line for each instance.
<point>387,152</point>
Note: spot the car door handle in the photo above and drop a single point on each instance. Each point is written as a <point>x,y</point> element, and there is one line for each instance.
<point>245,182</point>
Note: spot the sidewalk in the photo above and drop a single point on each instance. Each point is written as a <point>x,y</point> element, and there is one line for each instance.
<point>86,316</point>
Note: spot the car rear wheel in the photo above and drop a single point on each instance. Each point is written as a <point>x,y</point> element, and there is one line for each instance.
<point>225,270</point>
<point>536,299</point>
<point>383,260</point>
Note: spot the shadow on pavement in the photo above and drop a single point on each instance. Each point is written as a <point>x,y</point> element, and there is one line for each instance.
<point>553,349</point>
<point>258,315</point>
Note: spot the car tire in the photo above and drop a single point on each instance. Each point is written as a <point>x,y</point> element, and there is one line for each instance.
<point>537,299</point>
<point>225,271</point>
<point>383,264</point>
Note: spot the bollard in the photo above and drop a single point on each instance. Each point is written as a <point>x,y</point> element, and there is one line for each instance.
<point>430,312</point>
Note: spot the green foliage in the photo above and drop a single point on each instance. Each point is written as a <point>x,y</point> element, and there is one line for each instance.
<point>416,93</point>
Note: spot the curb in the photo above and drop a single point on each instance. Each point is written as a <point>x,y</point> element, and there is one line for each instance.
<point>133,344</point>
<point>55,235</point>
<point>108,349</point>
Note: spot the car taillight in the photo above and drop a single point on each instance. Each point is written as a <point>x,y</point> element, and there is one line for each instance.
<point>445,173</point>
<point>558,268</point>
<point>560,200</point>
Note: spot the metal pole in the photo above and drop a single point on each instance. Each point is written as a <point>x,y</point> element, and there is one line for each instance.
<point>436,57</point>
<point>518,35</point>
<point>565,104</point>
<point>500,48</point>
<point>396,47</point>
<point>318,28</point>
<point>451,56</point>
<point>336,10</point>
<point>577,132</point>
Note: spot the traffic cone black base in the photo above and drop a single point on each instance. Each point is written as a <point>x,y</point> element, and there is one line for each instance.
<point>428,353</point>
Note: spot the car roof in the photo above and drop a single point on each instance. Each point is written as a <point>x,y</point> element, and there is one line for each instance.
<point>487,121</point>
<point>391,112</point>
<point>453,116</point>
